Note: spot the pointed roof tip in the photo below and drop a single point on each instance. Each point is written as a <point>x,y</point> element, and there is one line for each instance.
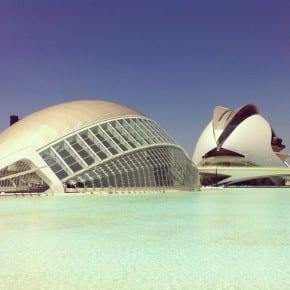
<point>222,115</point>
<point>250,106</point>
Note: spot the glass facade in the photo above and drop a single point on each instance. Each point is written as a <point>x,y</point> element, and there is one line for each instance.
<point>127,152</point>
<point>155,167</point>
<point>21,177</point>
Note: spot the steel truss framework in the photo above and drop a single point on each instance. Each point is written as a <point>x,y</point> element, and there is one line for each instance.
<point>124,152</point>
<point>21,177</point>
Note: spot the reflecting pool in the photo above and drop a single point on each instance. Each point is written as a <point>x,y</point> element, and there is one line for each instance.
<point>215,239</point>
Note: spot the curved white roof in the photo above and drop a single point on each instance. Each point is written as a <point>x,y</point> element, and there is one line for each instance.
<point>243,131</point>
<point>225,120</point>
<point>223,116</point>
<point>49,124</point>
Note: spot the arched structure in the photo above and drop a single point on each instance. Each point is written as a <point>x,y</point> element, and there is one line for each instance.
<point>239,138</point>
<point>91,144</point>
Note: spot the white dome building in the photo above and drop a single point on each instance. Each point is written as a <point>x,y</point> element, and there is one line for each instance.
<point>239,138</point>
<point>91,144</point>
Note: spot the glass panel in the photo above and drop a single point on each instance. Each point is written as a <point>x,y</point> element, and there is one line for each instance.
<point>125,134</point>
<point>106,140</point>
<point>68,156</point>
<point>142,131</point>
<point>133,131</point>
<point>160,131</point>
<point>109,131</point>
<point>102,155</point>
<point>81,148</point>
<point>54,163</point>
<point>162,167</point>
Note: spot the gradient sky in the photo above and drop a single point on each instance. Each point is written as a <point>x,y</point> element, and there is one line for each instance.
<point>172,60</point>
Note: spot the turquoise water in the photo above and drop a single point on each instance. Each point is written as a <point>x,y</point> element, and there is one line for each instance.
<point>216,239</point>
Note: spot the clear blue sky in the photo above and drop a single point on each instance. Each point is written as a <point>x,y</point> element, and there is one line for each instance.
<point>172,60</point>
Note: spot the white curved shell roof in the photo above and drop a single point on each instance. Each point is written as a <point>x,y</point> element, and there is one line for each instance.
<point>49,124</point>
<point>250,138</point>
